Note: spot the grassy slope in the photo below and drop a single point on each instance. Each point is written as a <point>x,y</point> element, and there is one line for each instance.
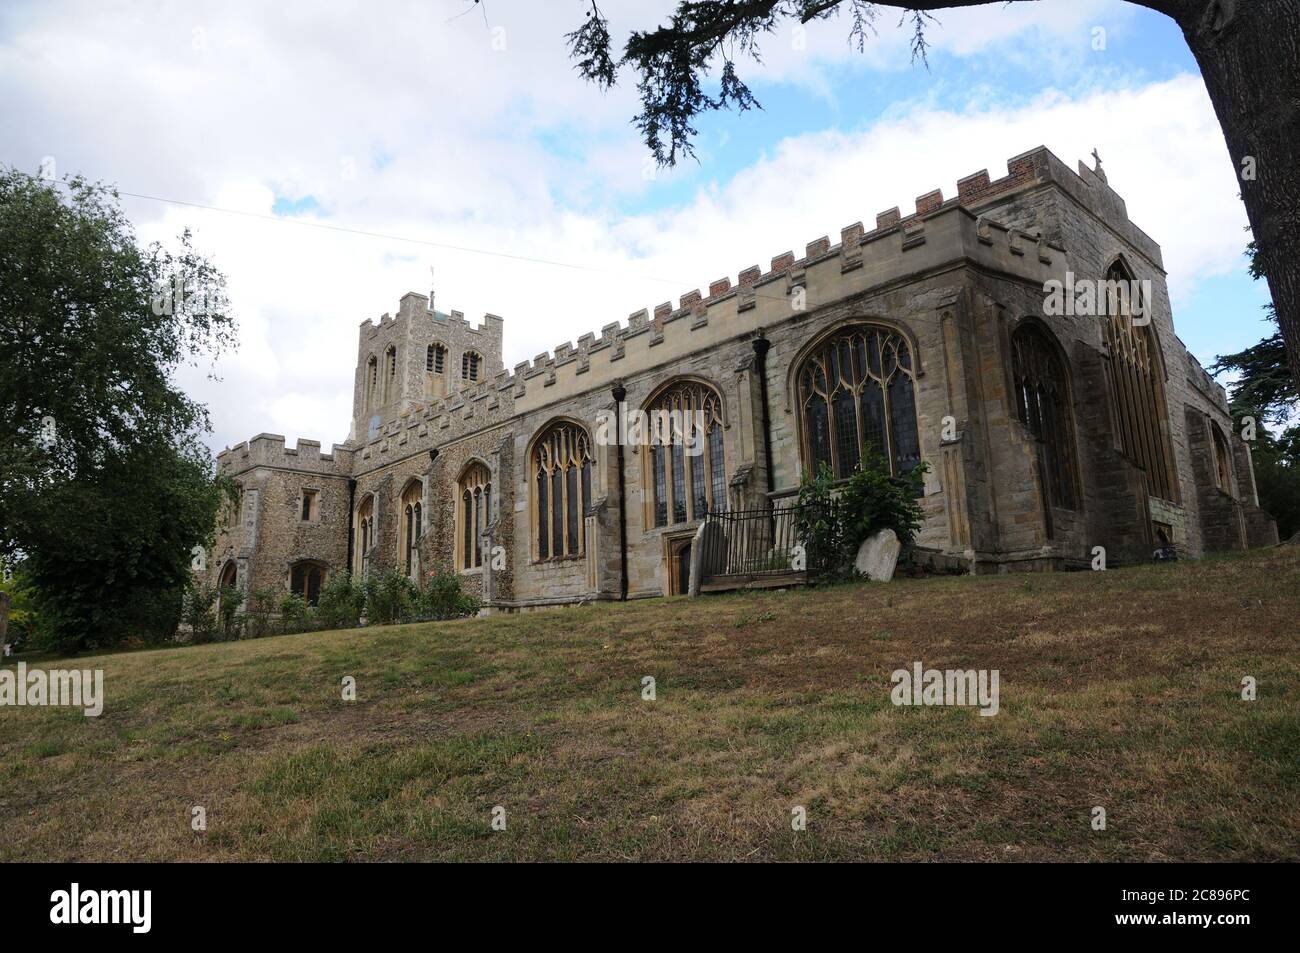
<point>1118,689</point>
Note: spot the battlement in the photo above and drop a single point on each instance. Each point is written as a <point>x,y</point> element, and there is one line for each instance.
<point>415,305</point>
<point>938,230</point>
<point>269,450</point>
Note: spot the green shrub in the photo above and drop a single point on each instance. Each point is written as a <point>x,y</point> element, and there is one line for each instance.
<point>341,602</point>
<point>390,598</point>
<point>295,615</point>
<point>230,600</point>
<point>443,598</point>
<point>23,619</point>
<point>198,612</point>
<point>834,517</point>
<point>259,616</point>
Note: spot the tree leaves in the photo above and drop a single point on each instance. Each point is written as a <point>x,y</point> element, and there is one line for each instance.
<point>105,487</point>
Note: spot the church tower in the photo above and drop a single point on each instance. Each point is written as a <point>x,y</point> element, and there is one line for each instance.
<point>407,360</point>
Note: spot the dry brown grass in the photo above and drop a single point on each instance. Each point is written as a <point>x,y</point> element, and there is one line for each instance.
<point>1119,689</point>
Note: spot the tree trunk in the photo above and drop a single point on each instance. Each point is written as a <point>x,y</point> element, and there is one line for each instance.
<point>1249,54</point>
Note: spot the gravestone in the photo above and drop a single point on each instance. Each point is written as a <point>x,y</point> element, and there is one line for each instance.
<point>710,543</point>
<point>878,555</point>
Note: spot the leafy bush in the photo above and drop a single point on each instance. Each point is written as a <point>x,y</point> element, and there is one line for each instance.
<point>230,601</point>
<point>258,617</point>
<point>341,602</point>
<point>198,613</point>
<point>294,610</point>
<point>834,517</point>
<point>443,598</point>
<point>390,597</point>
<point>23,619</point>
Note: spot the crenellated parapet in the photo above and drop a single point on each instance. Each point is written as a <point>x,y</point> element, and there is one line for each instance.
<point>471,409</point>
<point>937,231</point>
<point>269,450</point>
<point>414,306</point>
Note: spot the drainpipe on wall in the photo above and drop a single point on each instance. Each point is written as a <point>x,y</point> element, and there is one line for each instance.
<point>620,393</point>
<point>761,344</point>
<point>352,514</point>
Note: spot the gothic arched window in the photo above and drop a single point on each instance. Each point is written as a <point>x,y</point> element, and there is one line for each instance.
<point>229,576</point>
<point>1136,385</point>
<point>687,474</point>
<point>561,469</point>
<point>857,390</point>
<point>364,536</point>
<point>1043,406</point>
<point>412,510</point>
<point>473,515</point>
<point>1222,459</point>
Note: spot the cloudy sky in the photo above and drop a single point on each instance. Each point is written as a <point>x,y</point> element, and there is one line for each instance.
<point>460,131</point>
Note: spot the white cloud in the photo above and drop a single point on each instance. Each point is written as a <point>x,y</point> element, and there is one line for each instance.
<point>456,143</point>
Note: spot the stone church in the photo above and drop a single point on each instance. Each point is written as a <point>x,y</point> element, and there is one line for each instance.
<point>929,338</point>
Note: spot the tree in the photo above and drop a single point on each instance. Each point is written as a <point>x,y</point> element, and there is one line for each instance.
<point>105,488</point>
<point>1265,392</point>
<point>1246,49</point>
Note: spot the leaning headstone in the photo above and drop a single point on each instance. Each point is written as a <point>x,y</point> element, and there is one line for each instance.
<point>706,552</point>
<point>878,555</point>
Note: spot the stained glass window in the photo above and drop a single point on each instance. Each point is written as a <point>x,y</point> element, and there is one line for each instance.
<point>687,470</point>
<point>857,392</point>
<point>562,465</point>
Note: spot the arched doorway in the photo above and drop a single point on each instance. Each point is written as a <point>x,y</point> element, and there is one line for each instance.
<point>306,580</point>
<point>229,575</point>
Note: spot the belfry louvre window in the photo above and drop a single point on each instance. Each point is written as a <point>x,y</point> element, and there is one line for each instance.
<point>1043,406</point>
<point>1135,385</point>
<point>561,468</point>
<point>857,391</point>
<point>474,515</point>
<point>390,373</point>
<point>470,366</point>
<point>435,359</point>
<point>372,379</point>
<point>687,470</point>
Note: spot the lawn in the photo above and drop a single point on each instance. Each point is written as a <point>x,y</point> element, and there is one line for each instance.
<point>1119,689</point>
